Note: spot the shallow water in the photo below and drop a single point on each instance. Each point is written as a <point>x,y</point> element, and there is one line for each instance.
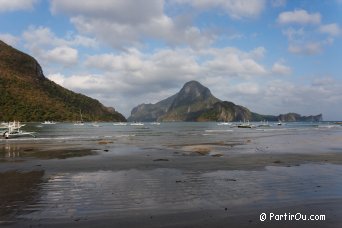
<point>289,137</point>
<point>123,171</point>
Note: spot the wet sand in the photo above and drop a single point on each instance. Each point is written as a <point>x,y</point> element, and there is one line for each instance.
<point>241,217</point>
<point>130,183</point>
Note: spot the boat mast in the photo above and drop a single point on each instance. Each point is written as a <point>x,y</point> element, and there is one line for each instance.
<point>81,116</point>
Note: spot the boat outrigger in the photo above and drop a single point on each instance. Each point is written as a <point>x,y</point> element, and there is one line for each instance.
<point>12,130</point>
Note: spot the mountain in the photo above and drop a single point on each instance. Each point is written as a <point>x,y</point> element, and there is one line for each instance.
<point>290,117</point>
<point>27,95</point>
<point>225,111</point>
<point>151,112</point>
<point>191,99</point>
<point>194,102</point>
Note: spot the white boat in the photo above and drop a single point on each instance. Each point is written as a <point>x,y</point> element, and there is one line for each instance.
<point>119,124</point>
<point>48,122</point>
<point>137,124</point>
<point>17,134</point>
<point>280,123</point>
<point>245,125</point>
<point>15,125</point>
<point>224,124</point>
<point>13,131</point>
<point>79,123</point>
<point>264,124</point>
<point>155,123</point>
<point>95,124</point>
<point>3,129</point>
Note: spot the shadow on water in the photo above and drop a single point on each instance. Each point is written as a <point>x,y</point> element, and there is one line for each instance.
<point>18,190</point>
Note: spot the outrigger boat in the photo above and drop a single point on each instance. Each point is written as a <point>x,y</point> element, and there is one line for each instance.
<point>137,124</point>
<point>245,125</point>
<point>119,124</point>
<point>13,131</point>
<point>264,124</point>
<point>224,124</point>
<point>48,122</point>
<point>79,123</point>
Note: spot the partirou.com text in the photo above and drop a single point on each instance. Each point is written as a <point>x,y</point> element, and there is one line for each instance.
<point>290,217</point>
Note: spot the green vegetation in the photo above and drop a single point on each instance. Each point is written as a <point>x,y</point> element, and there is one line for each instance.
<point>26,95</point>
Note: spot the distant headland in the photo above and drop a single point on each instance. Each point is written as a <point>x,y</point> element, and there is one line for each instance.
<point>195,102</point>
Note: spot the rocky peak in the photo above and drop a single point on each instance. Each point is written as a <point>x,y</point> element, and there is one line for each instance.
<point>194,89</point>
<point>192,92</point>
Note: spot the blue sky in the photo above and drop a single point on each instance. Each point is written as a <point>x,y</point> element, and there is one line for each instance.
<point>272,56</point>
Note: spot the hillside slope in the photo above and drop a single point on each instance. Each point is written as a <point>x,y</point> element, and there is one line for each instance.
<point>27,95</point>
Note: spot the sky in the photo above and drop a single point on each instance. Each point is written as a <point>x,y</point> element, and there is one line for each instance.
<point>271,56</point>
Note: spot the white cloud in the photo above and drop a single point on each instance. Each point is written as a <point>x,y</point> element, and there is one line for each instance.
<point>50,49</point>
<point>294,34</point>
<point>43,36</point>
<point>307,40</point>
<point>64,55</point>
<point>280,69</point>
<point>125,12</point>
<point>235,9</point>
<point>280,96</point>
<point>299,17</point>
<point>15,5</point>
<point>330,29</point>
<point>278,3</point>
<point>232,62</point>
<point>180,63</point>
<point>9,39</point>
<point>309,47</point>
<point>247,88</point>
<point>110,22</point>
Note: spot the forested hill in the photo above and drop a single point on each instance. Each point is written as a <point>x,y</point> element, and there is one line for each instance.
<point>27,95</point>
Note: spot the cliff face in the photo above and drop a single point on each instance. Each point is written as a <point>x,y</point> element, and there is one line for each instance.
<point>194,102</point>
<point>225,111</point>
<point>27,95</point>
<point>151,112</point>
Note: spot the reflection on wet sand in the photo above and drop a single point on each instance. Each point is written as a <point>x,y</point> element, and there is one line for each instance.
<point>14,151</point>
<point>18,189</point>
<point>80,197</point>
